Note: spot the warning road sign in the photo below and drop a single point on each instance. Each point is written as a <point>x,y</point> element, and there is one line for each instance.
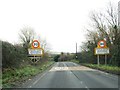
<point>35,44</point>
<point>35,49</point>
<point>102,44</point>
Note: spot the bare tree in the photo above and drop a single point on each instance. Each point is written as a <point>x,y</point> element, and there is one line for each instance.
<point>26,36</point>
<point>44,44</point>
<point>105,26</point>
<point>100,26</point>
<point>112,15</point>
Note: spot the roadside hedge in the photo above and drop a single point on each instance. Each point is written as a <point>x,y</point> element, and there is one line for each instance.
<point>12,55</point>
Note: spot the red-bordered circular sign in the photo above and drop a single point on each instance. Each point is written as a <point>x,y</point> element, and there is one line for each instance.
<point>35,44</point>
<point>102,44</point>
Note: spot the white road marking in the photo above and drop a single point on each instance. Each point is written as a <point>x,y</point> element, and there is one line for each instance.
<point>81,82</point>
<point>108,75</point>
<point>75,64</point>
<point>39,79</point>
<point>84,85</point>
<point>57,63</point>
<point>57,68</point>
<point>87,88</point>
<point>65,68</point>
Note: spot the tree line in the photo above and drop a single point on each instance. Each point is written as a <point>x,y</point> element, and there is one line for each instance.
<point>16,55</point>
<point>104,26</point>
<point>64,57</point>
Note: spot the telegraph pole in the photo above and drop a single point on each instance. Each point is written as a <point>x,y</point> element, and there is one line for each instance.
<point>76,51</point>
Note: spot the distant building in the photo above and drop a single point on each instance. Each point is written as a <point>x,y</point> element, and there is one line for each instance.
<point>119,13</point>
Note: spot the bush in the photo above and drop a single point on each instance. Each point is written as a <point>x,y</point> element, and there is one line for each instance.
<point>12,55</point>
<point>11,76</point>
<point>56,58</point>
<point>107,68</point>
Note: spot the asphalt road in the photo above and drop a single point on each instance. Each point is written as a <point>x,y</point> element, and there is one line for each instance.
<point>71,75</point>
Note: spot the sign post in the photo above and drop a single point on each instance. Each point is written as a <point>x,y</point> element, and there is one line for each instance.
<point>101,49</point>
<point>98,61</point>
<point>105,59</point>
<point>35,51</point>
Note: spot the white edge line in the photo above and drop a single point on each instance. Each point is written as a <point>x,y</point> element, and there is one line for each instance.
<point>39,79</point>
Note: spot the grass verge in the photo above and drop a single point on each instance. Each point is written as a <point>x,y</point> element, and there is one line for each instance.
<point>0,83</point>
<point>75,61</point>
<point>11,76</point>
<point>106,68</point>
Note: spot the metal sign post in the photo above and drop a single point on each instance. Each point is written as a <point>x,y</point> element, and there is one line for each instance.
<point>98,61</point>
<point>105,59</point>
<point>34,58</point>
<point>35,51</point>
<point>101,49</point>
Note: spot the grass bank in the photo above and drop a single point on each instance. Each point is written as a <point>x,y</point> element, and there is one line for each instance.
<point>106,68</point>
<point>0,80</point>
<point>11,76</point>
<point>75,61</point>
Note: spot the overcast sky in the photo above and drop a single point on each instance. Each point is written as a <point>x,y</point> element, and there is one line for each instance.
<point>61,22</point>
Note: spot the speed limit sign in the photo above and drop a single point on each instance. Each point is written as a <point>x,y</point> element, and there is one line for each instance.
<point>102,44</point>
<point>35,44</point>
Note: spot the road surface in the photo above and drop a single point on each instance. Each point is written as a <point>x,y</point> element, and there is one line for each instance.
<point>72,75</point>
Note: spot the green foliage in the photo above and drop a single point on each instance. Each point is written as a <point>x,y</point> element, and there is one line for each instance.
<point>0,79</point>
<point>12,55</point>
<point>56,58</point>
<point>75,61</point>
<point>104,27</point>
<point>87,57</point>
<point>10,76</point>
<point>107,68</point>
<point>66,56</point>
